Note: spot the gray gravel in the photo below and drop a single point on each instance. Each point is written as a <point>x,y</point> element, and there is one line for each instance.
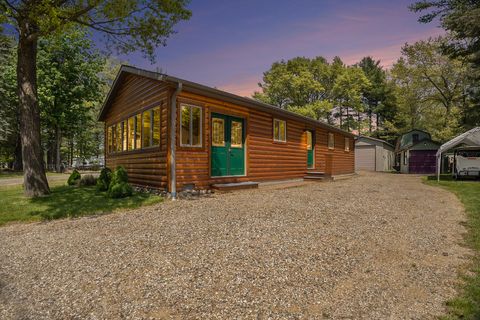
<point>378,246</point>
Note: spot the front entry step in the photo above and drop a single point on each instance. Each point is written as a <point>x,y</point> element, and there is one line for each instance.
<point>235,186</point>
<point>315,176</point>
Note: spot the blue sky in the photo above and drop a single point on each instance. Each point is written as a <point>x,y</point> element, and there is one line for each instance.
<point>229,44</point>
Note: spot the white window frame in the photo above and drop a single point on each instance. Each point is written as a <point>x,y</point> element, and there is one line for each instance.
<point>285,126</point>
<point>191,106</point>
<point>331,134</point>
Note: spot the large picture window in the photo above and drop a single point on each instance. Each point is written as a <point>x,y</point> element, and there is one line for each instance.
<point>139,131</point>
<point>279,130</point>
<point>191,126</point>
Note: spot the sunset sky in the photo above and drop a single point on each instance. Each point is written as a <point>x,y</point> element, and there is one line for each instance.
<point>229,44</point>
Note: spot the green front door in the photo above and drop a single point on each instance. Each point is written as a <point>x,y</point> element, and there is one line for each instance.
<point>310,150</point>
<point>228,146</point>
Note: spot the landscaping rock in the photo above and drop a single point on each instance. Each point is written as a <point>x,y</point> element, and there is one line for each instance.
<point>372,247</point>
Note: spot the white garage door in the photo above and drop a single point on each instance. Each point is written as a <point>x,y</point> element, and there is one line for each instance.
<point>365,158</point>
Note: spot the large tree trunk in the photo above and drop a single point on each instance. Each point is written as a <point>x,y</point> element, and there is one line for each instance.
<point>35,181</point>
<point>17,161</point>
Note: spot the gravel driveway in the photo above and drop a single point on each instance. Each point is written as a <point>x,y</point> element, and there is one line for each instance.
<point>378,246</point>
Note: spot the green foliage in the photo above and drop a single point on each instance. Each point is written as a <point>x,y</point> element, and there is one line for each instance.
<point>348,89</point>
<point>74,178</point>
<point>104,179</point>
<point>88,180</point>
<point>119,175</point>
<point>467,304</point>
<point>431,90</point>
<point>127,25</point>
<point>64,202</point>
<point>379,98</point>
<point>119,187</point>
<point>120,190</point>
<point>302,85</point>
<point>8,99</point>
<point>461,19</point>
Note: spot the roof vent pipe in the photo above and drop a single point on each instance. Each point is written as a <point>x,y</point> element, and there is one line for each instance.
<point>173,139</point>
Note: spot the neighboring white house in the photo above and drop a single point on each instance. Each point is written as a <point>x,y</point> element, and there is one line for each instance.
<point>373,154</point>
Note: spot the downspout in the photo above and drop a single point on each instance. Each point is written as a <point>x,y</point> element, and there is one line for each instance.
<point>173,139</point>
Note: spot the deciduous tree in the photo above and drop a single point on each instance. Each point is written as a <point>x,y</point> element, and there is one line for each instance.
<point>127,25</point>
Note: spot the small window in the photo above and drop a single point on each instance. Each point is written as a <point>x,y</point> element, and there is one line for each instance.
<point>147,128</point>
<point>191,126</point>
<point>279,130</point>
<point>131,133</point>
<point>156,126</point>
<point>347,144</point>
<point>309,140</point>
<point>218,132</point>
<point>236,134</point>
<point>138,131</point>
<point>110,139</point>
<point>331,141</point>
<point>415,137</point>
<point>119,136</point>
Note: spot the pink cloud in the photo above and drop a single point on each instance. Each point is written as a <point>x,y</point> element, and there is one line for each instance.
<point>244,87</point>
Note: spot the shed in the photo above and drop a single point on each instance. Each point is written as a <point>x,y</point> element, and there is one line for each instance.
<point>372,154</point>
<point>415,152</point>
<point>470,138</point>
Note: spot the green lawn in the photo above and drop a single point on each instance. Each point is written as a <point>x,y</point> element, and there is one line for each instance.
<point>19,174</point>
<point>467,304</point>
<point>64,201</point>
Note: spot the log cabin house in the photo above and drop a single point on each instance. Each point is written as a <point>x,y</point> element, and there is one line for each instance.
<point>174,134</point>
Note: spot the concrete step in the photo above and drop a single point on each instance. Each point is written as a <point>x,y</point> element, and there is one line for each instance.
<point>234,186</point>
<point>315,178</point>
<point>315,173</point>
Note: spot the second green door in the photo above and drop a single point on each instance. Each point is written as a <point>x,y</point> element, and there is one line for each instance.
<point>228,146</point>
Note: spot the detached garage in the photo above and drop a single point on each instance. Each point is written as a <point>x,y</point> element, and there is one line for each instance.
<point>373,154</point>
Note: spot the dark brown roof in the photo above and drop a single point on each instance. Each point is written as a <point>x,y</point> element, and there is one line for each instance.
<point>209,92</point>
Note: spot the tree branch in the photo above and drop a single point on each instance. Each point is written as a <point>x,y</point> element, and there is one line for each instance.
<point>446,100</point>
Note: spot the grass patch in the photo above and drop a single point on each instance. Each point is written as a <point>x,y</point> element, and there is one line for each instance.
<point>467,304</point>
<point>19,174</point>
<point>64,201</point>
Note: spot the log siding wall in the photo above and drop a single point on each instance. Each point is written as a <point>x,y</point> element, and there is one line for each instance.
<point>265,158</point>
<point>146,166</point>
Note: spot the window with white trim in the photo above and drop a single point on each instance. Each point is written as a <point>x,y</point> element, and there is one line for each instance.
<point>279,130</point>
<point>331,141</point>
<point>190,126</point>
